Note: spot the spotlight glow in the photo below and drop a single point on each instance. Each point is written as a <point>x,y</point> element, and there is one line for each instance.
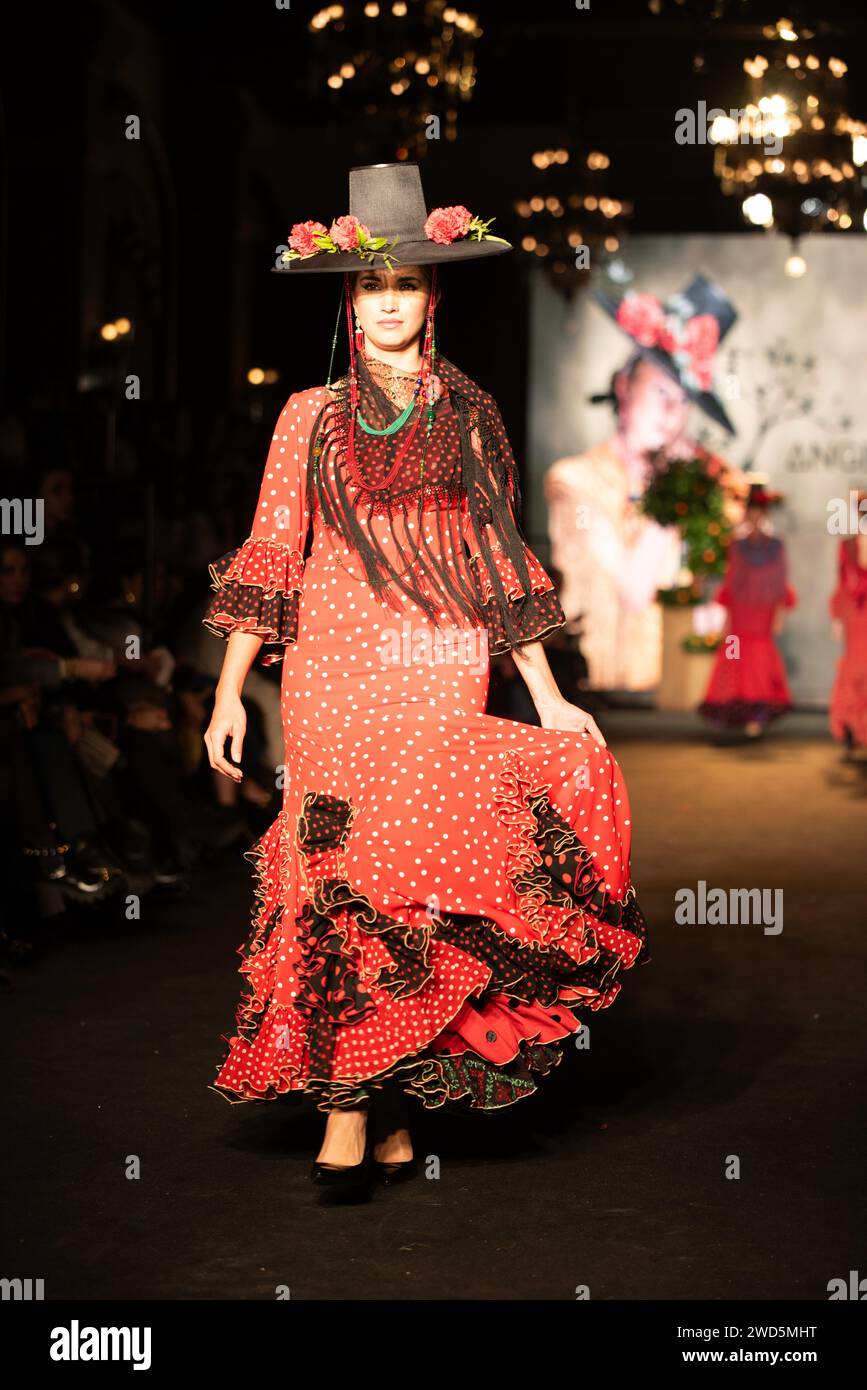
<point>759,210</point>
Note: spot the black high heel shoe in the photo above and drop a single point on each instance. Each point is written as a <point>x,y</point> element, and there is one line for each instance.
<point>388,1113</point>
<point>391,1173</point>
<point>351,1182</point>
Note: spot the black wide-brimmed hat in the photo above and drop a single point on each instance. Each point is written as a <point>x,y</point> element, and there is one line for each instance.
<point>388,203</point>
<point>661,332</point>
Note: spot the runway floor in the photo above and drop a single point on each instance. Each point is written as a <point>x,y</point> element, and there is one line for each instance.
<point>730,1042</point>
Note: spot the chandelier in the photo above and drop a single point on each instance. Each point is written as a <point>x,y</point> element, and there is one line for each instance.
<point>792,153</point>
<point>570,222</point>
<point>406,67</point>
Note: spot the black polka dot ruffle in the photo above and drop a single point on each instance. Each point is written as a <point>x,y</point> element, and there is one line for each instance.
<point>534,617</point>
<point>257,591</point>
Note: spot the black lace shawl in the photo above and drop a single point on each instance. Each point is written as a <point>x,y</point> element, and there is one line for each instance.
<point>470,479</point>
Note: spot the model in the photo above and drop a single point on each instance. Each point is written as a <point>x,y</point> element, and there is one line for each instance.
<point>748,686</point>
<point>444,892</point>
<point>848,606</point>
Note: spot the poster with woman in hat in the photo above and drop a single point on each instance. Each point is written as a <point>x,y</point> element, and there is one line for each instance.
<point>444,893</point>
<point>612,557</point>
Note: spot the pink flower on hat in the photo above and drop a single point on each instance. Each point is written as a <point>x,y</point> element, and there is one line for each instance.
<point>702,374</point>
<point>701,340</point>
<point>301,237</point>
<point>445,225</point>
<point>668,338</point>
<point>345,233</point>
<point>642,317</point>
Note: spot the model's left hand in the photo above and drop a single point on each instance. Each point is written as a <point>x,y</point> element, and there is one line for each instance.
<point>569,719</point>
<point>779,621</point>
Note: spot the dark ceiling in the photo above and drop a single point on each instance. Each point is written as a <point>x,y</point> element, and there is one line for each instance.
<point>609,77</point>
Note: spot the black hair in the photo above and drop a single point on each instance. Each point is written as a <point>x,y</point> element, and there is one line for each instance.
<point>356,274</point>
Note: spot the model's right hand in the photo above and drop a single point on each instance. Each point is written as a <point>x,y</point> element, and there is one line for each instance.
<point>227,721</point>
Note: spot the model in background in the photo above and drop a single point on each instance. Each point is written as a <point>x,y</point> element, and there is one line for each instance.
<point>848,606</point>
<point>748,686</point>
<point>612,557</point>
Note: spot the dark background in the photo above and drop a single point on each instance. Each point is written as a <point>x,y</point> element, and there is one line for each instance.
<point>733,1043</point>
<point>241,138</point>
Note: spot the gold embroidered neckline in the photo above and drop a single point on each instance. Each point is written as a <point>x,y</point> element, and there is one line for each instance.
<point>395,382</point>
<point>377,364</point>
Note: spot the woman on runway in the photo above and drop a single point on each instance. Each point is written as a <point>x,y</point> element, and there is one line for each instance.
<point>748,686</point>
<point>848,608</point>
<point>444,893</point>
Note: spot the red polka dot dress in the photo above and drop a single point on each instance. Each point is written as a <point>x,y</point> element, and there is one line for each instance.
<point>848,604</point>
<point>748,681</point>
<point>444,894</point>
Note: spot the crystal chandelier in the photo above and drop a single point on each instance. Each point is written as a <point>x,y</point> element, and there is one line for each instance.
<point>405,67</point>
<point>570,222</point>
<point>792,153</point>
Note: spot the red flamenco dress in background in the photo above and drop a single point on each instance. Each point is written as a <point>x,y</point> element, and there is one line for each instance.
<point>444,893</point>
<point>748,682</point>
<point>848,710</point>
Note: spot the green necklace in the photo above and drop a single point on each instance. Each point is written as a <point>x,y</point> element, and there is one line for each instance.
<point>395,424</point>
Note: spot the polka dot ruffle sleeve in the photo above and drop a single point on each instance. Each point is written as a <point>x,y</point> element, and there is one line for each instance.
<point>257,586</point>
<point>535,614</point>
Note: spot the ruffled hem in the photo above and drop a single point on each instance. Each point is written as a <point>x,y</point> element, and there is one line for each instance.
<point>257,591</point>
<point>508,575</point>
<point>535,614</point>
<point>468,1081</point>
<point>848,710</point>
<point>487,1009</point>
<point>554,875</point>
<point>534,617</point>
<point>731,713</point>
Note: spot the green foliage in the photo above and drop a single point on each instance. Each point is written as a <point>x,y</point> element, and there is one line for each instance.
<point>694,643</point>
<point>687,494</point>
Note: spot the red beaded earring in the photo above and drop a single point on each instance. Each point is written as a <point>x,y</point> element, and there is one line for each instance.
<point>353,370</point>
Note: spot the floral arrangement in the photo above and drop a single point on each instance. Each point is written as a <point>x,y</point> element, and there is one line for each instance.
<point>691,494</point>
<point>685,596</point>
<point>444,225</point>
<point>691,339</point>
<point>697,644</point>
<point>345,234</point>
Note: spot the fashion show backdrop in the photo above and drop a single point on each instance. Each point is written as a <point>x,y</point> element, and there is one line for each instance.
<point>790,374</point>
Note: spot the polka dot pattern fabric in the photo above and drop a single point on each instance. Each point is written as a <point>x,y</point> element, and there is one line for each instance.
<point>444,892</point>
